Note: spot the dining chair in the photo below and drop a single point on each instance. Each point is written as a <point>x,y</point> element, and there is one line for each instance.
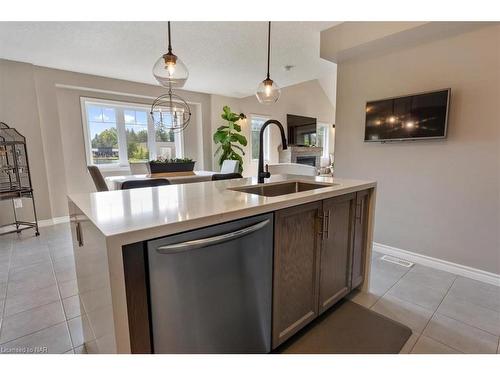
<point>97,177</point>
<point>150,182</point>
<point>225,176</point>
<point>139,168</point>
<point>229,166</point>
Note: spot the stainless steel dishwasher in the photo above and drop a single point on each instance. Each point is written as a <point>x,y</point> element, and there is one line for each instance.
<point>211,289</point>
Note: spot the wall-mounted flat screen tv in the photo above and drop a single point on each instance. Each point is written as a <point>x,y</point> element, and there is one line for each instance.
<point>411,117</point>
<point>301,130</point>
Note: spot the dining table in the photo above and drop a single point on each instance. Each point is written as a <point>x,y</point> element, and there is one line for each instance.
<point>115,182</point>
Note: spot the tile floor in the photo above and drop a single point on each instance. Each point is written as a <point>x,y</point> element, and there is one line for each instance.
<point>39,305</point>
<point>39,309</point>
<point>447,313</point>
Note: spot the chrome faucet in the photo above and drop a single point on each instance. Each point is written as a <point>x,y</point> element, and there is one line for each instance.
<point>265,174</point>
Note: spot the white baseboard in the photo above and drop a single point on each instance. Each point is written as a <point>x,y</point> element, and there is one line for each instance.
<point>457,269</point>
<point>53,221</point>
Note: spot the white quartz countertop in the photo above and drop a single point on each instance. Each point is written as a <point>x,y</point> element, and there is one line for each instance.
<point>139,214</point>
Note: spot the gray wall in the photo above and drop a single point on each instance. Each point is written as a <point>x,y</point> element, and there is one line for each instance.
<point>436,198</point>
<point>19,109</point>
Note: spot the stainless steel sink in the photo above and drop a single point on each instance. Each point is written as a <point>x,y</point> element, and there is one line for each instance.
<point>282,188</point>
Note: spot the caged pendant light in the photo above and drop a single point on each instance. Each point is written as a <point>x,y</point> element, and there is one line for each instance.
<point>268,91</point>
<point>169,70</point>
<point>170,112</point>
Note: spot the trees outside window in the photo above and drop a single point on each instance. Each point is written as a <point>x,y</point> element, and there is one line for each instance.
<point>120,133</point>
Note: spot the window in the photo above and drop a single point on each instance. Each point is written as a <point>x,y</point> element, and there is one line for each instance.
<point>118,133</point>
<point>103,134</point>
<point>166,143</point>
<point>136,130</point>
<point>256,123</point>
<point>323,139</point>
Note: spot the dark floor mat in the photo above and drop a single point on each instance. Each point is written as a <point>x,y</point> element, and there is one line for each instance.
<point>349,328</point>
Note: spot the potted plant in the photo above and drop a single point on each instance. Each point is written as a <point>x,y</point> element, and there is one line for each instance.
<point>164,165</point>
<point>230,139</point>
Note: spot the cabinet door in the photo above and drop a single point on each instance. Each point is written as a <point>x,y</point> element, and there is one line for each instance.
<point>360,233</point>
<point>295,281</point>
<point>336,246</point>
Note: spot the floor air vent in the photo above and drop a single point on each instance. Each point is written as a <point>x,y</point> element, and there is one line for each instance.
<point>398,261</point>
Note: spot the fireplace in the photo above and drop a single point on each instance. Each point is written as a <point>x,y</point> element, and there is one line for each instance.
<point>307,160</point>
<point>301,155</point>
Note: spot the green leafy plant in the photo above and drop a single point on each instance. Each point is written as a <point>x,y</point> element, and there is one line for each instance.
<point>230,139</point>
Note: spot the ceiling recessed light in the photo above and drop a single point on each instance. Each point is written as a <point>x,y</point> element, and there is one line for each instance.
<point>287,68</point>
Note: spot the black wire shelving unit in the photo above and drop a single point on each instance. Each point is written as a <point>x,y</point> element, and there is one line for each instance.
<point>15,178</point>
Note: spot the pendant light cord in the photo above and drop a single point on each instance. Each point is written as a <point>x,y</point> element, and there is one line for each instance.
<point>268,48</point>
<point>169,42</point>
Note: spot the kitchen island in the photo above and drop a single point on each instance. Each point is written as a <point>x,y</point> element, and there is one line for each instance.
<point>321,239</point>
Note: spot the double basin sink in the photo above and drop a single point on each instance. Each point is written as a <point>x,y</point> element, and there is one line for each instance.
<point>281,188</point>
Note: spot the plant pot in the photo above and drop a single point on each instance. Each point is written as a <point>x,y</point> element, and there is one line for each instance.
<point>170,167</point>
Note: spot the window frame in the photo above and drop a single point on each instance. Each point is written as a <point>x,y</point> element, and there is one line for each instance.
<point>326,138</point>
<point>120,107</point>
<point>267,137</point>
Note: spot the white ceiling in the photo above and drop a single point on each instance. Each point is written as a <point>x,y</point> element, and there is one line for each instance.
<point>226,58</point>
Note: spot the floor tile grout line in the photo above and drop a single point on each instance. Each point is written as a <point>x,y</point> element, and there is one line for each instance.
<point>415,303</point>
<point>442,343</point>
<point>427,286</point>
<point>383,295</point>
<point>392,286</point>
<point>37,331</point>
<point>440,303</point>
<point>62,304</point>
<point>32,308</point>
<point>2,318</point>
<point>457,320</point>
<point>36,307</point>
<point>434,314</point>
<point>419,335</point>
<point>29,265</point>
<point>477,304</point>
<point>60,301</point>
<point>455,277</point>
<point>469,325</point>
<point>387,291</point>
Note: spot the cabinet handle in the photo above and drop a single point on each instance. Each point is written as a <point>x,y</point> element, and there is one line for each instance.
<point>79,236</point>
<point>328,224</point>
<point>321,218</point>
<point>358,212</point>
<point>210,241</point>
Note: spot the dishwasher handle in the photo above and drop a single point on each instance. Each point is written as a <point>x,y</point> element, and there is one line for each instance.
<point>209,241</point>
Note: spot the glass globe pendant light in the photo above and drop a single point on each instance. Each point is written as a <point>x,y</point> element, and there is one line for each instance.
<point>169,70</point>
<point>268,91</point>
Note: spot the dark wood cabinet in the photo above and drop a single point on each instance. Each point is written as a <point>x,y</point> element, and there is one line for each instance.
<point>296,260</point>
<point>360,238</point>
<point>335,258</point>
<point>319,257</point>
